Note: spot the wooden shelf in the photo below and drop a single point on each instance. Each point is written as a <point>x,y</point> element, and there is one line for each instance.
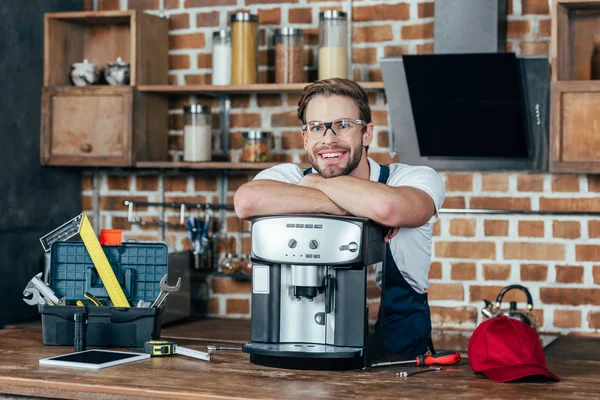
<point>253,88</point>
<point>214,165</point>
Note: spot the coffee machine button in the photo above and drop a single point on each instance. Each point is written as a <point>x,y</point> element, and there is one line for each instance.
<point>352,246</point>
<point>313,244</point>
<point>292,243</point>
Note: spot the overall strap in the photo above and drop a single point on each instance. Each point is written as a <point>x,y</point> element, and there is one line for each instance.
<point>307,171</point>
<point>384,173</point>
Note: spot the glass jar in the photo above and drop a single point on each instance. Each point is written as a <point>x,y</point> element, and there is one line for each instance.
<point>289,55</point>
<point>221,57</point>
<point>333,45</point>
<point>244,48</point>
<point>197,133</point>
<point>257,146</point>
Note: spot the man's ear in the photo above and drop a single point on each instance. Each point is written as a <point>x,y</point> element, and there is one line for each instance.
<point>304,139</point>
<point>368,134</point>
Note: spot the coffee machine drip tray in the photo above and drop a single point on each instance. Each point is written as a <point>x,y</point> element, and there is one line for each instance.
<point>305,356</point>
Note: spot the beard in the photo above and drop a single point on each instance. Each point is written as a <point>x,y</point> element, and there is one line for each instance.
<point>331,171</point>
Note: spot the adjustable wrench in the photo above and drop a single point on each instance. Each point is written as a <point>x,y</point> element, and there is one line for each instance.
<point>42,290</point>
<point>36,297</point>
<point>165,290</point>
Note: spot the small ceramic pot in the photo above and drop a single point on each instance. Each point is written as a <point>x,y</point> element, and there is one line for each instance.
<point>117,73</point>
<point>84,73</point>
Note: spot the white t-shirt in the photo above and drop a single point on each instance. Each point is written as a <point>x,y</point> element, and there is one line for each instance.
<point>411,247</point>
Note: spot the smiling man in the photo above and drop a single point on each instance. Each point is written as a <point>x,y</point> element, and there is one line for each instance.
<point>343,180</point>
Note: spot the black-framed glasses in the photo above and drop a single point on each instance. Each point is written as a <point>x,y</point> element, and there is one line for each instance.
<point>343,127</point>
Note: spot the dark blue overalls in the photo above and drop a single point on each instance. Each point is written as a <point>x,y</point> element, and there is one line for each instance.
<point>407,327</point>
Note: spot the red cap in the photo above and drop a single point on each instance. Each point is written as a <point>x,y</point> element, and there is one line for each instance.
<point>505,349</point>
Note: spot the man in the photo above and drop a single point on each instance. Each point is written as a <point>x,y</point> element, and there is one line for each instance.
<point>337,131</point>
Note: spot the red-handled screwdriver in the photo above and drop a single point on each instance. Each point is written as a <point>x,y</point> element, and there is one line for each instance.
<point>441,358</point>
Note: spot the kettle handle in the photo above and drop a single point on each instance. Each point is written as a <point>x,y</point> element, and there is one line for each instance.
<point>510,287</point>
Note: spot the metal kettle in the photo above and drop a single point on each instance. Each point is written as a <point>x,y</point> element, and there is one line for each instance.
<point>492,310</point>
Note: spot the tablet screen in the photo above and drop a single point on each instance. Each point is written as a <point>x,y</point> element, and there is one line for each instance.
<point>93,359</point>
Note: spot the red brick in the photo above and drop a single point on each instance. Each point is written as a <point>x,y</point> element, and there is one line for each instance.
<point>587,252</point>
<point>533,251</point>
<point>593,183</point>
<point>381,12</point>
<point>566,229</point>
<point>539,7</point>
<point>463,272</point>
<point>534,48</point>
<point>455,202</point>
<point>569,274</point>
<point>462,227</point>
<point>425,48</point>
<point>417,31</point>
<point>593,319</point>
<point>207,19</point>
<point>531,228</point>
<point>501,203</point>
<point>171,4</point>
<point>179,62</point>
<point>437,228</point>
<point>300,15</point>
<point>364,55</point>
<point>570,296</point>
<point>204,60</point>
<point>496,272</point>
<point>86,203</point>
<point>109,5</point>
<point>442,316</point>
<point>228,285</point>
<point>185,199</point>
<point>251,2</point>
<point>446,291</point>
<point>567,318</point>
<point>179,21</point>
<point>175,184</point>
<point>379,117</point>
<point>269,16</point>
<point>435,271</point>
<point>530,183</point>
<point>565,183</point>
<point>208,3</point>
<point>237,306</point>
<point>115,203</point>
<point>426,10</point>
<point>518,29</point>
<point>291,140</point>
<point>494,182</point>
<point>187,41</point>
<point>118,182</point>
<point>495,228</point>
<point>249,120</point>
<point>570,204</point>
<point>368,34</point>
<point>146,183</point>
<point>594,229</point>
<point>545,28</point>
<point>395,51</point>
<point>534,272</point>
<point>383,139</point>
<point>283,119</point>
<point>473,250</point>
<point>479,293</point>
<point>459,182</point>
<point>86,182</point>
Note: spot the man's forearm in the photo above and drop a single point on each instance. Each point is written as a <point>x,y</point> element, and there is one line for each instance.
<point>264,197</point>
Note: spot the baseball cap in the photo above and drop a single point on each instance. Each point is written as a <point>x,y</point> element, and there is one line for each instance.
<point>505,349</point>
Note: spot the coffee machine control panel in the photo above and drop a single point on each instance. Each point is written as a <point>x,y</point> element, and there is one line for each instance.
<point>306,240</point>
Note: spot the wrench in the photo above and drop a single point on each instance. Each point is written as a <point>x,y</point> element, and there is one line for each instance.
<point>42,289</point>
<point>165,290</point>
<point>36,297</point>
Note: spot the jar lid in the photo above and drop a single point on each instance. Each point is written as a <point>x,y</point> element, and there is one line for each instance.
<point>196,109</point>
<point>244,16</point>
<point>289,31</point>
<point>223,33</point>
<point>332,14</point>
<point>256,135</point>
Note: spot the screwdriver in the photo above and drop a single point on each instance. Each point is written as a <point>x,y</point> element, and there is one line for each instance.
<point>441,358</point>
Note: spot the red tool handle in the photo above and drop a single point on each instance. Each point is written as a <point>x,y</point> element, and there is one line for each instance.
<point>442,358</point>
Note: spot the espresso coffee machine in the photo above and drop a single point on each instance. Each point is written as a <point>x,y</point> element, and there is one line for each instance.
<point>309,291</point>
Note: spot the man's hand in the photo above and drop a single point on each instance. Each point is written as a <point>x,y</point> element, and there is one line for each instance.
<point>311,180</point>
<point>390,234</point>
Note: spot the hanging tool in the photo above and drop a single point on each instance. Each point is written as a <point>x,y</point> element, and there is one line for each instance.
<point>40,292</point>
<point>158,348</point>
<point>404,374</point>
<point>165,290</point>
<point>441,358</point>
<point>81,224</point>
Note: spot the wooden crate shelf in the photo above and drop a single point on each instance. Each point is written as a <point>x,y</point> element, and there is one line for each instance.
<point>237,89</point>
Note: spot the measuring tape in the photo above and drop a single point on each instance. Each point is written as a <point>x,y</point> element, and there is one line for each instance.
<point>166,348</point>
<point>81,224</point>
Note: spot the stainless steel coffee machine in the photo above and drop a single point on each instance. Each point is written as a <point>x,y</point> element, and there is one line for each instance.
<point>309,291</point>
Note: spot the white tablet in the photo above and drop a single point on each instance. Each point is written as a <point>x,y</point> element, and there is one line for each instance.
<point>93,359</point>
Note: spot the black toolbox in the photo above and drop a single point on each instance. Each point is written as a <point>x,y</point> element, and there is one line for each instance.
<point>139,268</point>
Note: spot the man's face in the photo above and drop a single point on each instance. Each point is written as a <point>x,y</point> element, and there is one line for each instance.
<point>332,155</point>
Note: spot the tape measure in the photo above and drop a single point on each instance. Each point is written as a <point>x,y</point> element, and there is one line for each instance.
<point>81,224</point>
<point>160,348</point>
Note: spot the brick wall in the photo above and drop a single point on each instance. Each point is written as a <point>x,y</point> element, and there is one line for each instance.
<point>557,258</point>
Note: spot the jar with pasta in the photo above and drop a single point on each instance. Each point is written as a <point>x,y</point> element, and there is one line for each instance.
<point>289,55</point>
<point>257,146</point>
<point>244,48</point>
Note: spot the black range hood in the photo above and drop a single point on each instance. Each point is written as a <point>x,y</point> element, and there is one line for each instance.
<point>475,111</point>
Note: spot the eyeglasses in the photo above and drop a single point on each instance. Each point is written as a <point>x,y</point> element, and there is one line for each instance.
<point>343,127</point>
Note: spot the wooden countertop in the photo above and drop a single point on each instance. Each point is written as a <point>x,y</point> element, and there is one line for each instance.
<point>576,360</point>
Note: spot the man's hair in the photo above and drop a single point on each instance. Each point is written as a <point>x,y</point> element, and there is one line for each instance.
<point>336,86</point>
